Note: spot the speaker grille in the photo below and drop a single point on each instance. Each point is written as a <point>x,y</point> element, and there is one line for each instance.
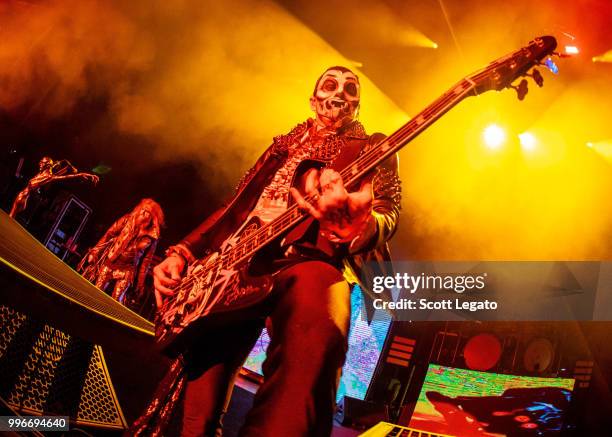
<point>46,371</point>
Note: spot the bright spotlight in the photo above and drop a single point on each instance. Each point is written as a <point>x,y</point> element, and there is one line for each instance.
<point>435,45</point>
<point>494,136</point>
<point>571,50</point>
<point>528,141</point>
<point>602,148</point>
<point>604,57</point>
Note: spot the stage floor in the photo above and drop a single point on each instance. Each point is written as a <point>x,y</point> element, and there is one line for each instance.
<point>241,402</point>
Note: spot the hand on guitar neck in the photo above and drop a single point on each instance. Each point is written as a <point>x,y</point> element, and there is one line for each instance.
<point>344,217</point>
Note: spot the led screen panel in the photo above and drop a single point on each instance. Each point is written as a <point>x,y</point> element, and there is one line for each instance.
<point>466,402</point>
<point>366,340</point>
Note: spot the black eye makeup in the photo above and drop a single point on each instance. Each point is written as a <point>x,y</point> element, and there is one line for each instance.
<point>329,85</point>
<point>351,89</point>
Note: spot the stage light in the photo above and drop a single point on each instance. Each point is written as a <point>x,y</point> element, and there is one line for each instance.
<point>482,352</point>
<point>435,45</point>
<point>411,37</point>
<point>603,148</point>
<point>528,141</point>
<point>494,136</point>
<point>571,50</point>
<point>604,57</point>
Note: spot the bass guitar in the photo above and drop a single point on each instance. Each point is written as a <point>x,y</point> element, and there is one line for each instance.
<point>220,284</point>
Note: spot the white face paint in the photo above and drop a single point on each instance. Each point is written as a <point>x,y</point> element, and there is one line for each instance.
<point>336,98</point>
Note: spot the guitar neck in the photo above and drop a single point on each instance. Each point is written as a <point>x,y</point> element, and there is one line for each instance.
<point>353,173</point>
<point>394,142</point>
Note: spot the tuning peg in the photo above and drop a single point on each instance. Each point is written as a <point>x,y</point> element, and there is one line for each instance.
<point>521,89</point>
<point>537,77</point>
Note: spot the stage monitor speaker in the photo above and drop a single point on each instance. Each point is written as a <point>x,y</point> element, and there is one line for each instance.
<point>47,372</point>
<point>539,355</point>
<point>530,348</point>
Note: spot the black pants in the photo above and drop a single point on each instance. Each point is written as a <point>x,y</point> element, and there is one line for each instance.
<point>310,316</point>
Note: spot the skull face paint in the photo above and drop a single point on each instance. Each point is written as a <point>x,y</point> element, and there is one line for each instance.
<point>336,97</point>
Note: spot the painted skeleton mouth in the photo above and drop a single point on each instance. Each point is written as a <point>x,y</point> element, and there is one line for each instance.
<point>336,103</point>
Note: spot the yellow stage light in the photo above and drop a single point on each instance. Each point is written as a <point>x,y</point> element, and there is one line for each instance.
<point>411,37</point>
<point>528,141</point>
<point>571,50</point>
<point>494,136</point>
<point>435,45</point>
<point>602,148</point>
<point>604,57</point>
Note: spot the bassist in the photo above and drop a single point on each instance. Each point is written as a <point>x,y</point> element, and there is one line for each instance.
<point>312,267</point>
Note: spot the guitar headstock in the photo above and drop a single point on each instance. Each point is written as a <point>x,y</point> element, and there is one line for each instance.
<point>500,73</point>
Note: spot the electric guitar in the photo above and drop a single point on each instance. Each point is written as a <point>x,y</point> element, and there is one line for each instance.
<point>220,285</point>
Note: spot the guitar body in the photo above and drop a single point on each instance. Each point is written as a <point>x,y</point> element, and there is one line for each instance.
<point>209,290</point>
